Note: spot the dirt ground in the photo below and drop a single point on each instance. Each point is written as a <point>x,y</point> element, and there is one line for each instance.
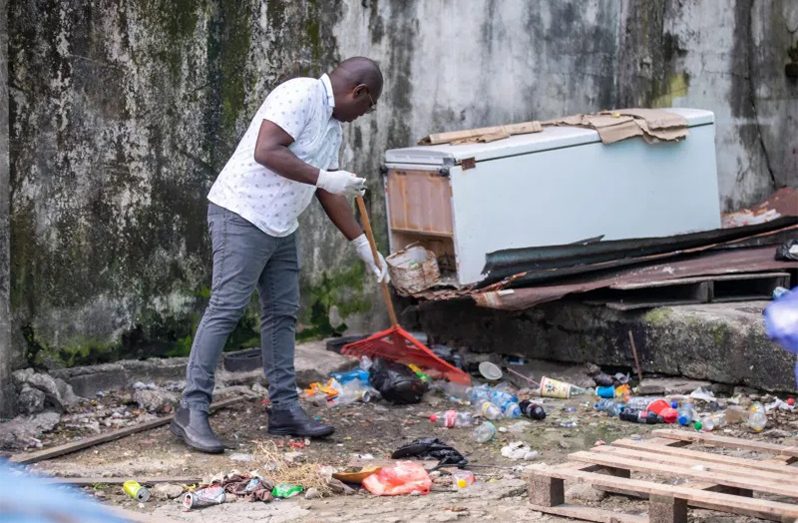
<point>375,429</point>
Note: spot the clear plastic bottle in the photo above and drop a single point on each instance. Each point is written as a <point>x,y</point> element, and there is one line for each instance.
<point>686,414</point>
<point>452,418</point>
<point>611,407</point>
<point>713,421</point>
<point>640,402</point>
<point>485,432</point>
<point>490,411</point>
<point>501,398</point>
<point>511,410</point>
<point>757,417</point>
<point>476,395</point>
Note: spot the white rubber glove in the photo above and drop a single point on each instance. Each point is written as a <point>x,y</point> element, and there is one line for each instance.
<point>341,182</point>
<point>363,249</point>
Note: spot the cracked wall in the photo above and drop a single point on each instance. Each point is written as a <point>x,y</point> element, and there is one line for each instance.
<point>122,113</point>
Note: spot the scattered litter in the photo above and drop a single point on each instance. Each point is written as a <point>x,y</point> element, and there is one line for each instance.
<point>136,491</point>
<point>462,479</point>
<point>489,371</point>
<point>396,382</point>
<point>405,477</point>
<point>286,490</point>
<point>431,448</point>
<point>519,450</point>
<point>485,432</point>
<point>204,497</point>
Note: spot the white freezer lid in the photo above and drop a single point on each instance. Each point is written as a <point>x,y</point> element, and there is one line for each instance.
<point>549,138</point>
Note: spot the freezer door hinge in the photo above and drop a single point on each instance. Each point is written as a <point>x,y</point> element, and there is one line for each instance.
<point>468,163</point>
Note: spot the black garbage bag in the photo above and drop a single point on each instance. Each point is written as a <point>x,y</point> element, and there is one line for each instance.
<point>396,383</point>
<point>431,448</point>
<point>787,251</point>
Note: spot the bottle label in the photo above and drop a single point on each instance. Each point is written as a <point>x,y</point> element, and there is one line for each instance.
<point>449,418</point>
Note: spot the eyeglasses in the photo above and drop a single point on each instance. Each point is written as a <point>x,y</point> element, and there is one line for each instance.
<point>373,105</point>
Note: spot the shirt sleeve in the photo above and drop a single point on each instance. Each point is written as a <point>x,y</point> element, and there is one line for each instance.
<point>288,106</point>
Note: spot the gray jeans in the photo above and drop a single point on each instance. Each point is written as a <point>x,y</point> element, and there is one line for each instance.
<point>246,258</point>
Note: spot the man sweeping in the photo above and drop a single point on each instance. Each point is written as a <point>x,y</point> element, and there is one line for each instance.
<point>288,154</point>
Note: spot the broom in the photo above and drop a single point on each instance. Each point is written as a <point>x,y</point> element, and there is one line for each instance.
<point>395,343</point>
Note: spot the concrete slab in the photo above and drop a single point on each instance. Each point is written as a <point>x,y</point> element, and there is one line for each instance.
<point>723,343</point>
<point>312,363</point>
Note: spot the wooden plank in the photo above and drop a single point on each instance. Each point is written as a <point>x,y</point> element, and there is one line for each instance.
<point>761,508</point>
<point>667,509</point>
<point>89,481</point>
<point>74,446</point>
<point>653,446</point>
<point>654,456</point>
<point>699,279</point>
<point>731,480</point>
<point>728,442</point>
<point>546,491</point>
<point>590,513</point>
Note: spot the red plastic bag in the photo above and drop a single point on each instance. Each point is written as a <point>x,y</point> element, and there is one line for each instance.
<point>406,477</point>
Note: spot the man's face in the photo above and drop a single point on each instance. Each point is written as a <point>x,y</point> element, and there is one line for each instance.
<point>355,104</point>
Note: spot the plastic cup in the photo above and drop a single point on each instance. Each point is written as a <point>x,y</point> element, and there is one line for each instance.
<point>550,388</point>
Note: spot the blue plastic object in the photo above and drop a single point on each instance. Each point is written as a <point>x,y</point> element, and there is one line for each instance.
<point>356,374</point>
<point>605,392</point>
<point>781,322</point>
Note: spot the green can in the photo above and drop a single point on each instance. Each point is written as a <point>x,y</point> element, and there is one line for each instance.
<point>286,490</point>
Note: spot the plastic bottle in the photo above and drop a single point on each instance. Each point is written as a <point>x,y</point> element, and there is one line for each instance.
<point>611,407</point>
<point>757,417</point>
<point>511,410</point>
<point>452,418</point>
<point>640,402</point>
<point>500,397</point>
<point>490,411</point>
<point>484,432</point>
<point>639,416</point>
<point>532,410</point>
<point>669,415</point>
<point>476,395</point>
<point>686,414</point>
<point>778,292</point>
<point>713,421</point>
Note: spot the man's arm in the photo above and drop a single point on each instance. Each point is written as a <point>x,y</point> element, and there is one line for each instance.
<point>340,213</point>
<point>271,150</point>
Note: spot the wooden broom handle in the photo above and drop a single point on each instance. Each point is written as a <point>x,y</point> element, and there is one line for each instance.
<point>386,294</point>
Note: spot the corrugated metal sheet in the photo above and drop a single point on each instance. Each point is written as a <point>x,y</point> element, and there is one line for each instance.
<point>727,262</point>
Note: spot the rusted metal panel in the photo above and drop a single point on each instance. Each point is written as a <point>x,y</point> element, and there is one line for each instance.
<point>725,262</point>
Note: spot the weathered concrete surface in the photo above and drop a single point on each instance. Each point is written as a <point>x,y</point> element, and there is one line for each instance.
<point>8,353</point>
<point>122,115</point>
<point>313,362</point>
<point>722,343</point>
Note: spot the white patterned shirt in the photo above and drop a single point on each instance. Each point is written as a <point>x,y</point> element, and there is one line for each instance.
<point>303,108</point>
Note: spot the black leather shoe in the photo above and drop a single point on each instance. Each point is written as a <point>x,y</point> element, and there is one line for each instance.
<point>296,422</point>
<point>191,425</point>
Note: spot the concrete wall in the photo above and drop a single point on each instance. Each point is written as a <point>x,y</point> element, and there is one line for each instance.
<point>122,114</point>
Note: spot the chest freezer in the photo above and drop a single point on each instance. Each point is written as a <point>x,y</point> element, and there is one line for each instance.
<point>558,186</point>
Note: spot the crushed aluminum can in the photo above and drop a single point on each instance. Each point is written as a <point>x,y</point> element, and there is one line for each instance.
<point>136,491</point>
<point>205,497</point>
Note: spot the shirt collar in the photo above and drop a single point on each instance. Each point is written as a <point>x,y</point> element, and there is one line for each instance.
<point>328,88</point>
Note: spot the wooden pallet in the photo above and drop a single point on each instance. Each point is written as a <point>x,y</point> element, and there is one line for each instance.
<point>685,291</point>
<point>715,481</point>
